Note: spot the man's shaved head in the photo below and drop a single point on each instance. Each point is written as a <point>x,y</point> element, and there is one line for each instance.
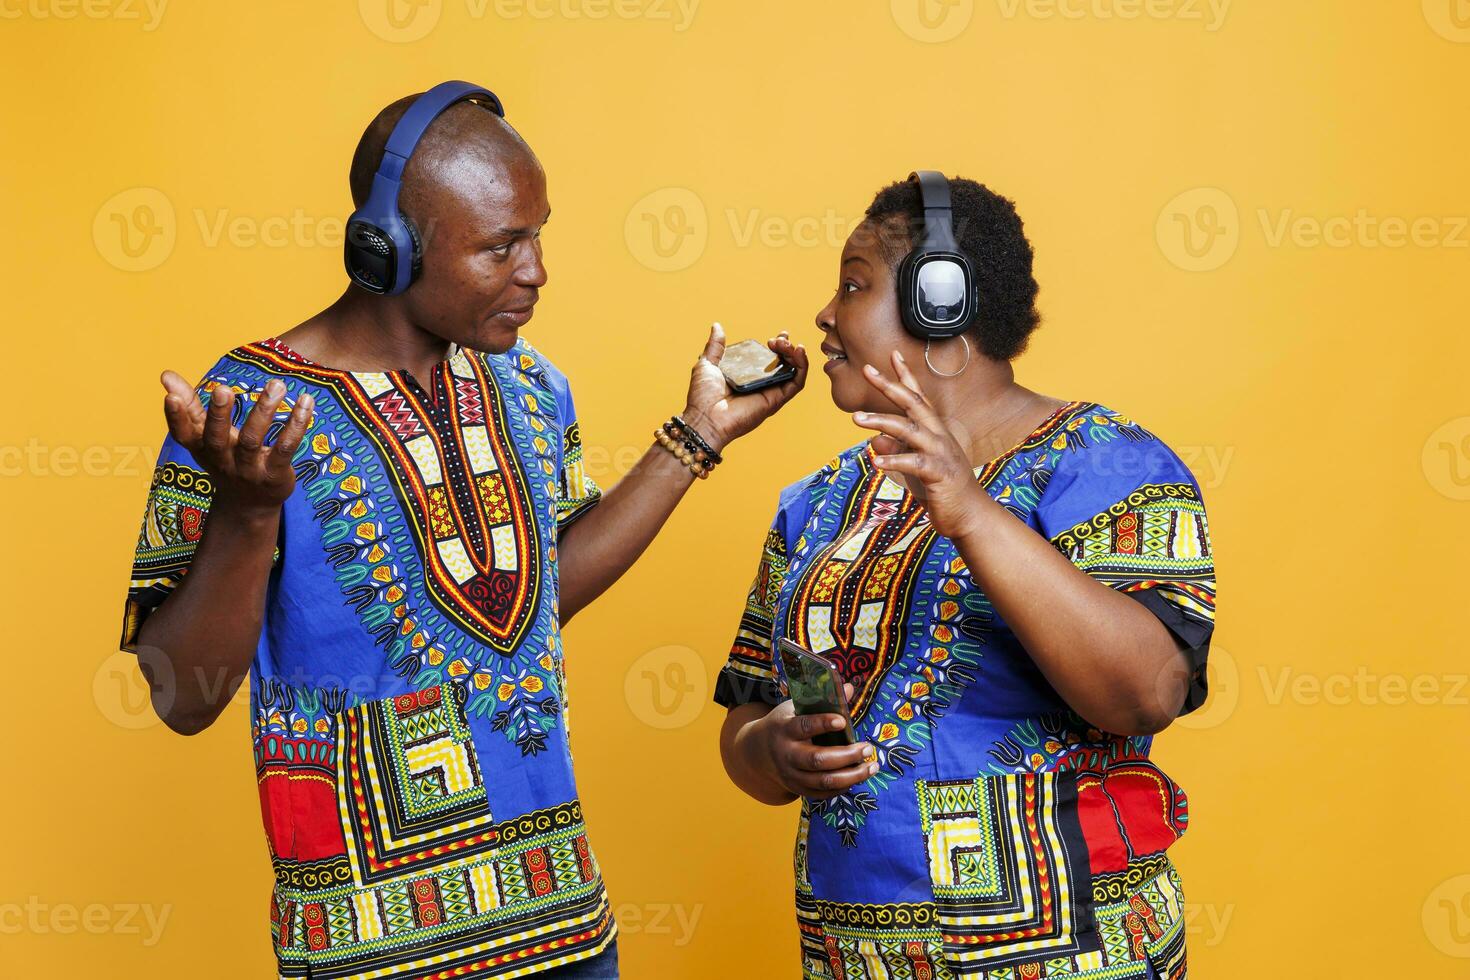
<point>459,134</point>
<point>476,195</point>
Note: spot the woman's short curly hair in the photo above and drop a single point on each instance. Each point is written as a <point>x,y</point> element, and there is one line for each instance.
<point>990,233</point>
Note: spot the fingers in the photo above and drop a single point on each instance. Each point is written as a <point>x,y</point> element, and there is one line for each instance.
<point>290,438</point>
<point>182,411</point>
<point>219,435</point>
<point>795,355</point>
<point>258,422</point>
<point>906,398</point>
<point>901,369</point>
<point>804,727</point>
<point>714,348</point>
<point>899,427</point>
<point>816,758</point>
<point>821,786</point>
<point>910,464</point>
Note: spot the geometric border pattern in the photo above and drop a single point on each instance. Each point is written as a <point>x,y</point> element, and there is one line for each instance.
<point>411,793</point>
<point>1008,866</point>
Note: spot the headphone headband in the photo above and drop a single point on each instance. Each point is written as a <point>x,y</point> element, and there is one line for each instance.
<point>382,251</point>
<point>938,210</point>
<point>937,297</point>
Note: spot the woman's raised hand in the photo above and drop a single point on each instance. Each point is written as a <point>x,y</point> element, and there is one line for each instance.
<point>246,472</point>
<point>920,446</point>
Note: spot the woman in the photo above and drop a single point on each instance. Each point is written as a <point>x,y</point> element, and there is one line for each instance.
<point>1020,592</point>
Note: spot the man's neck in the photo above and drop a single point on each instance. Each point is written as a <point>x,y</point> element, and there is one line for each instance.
<point>360,332</point>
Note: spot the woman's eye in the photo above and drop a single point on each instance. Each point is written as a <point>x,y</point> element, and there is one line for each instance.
<point>849,287</point>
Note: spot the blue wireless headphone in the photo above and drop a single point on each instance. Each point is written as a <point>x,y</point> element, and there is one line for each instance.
<point>383,253</point>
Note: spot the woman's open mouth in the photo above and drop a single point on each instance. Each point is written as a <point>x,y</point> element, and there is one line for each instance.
<point>834,357</point>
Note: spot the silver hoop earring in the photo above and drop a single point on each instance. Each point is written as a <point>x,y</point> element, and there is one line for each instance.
<point>940,374</point>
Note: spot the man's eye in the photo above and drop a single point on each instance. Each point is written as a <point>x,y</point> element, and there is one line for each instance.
<point>502,249</point>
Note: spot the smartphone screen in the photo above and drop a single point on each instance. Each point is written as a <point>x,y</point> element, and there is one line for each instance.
<point>815,685</point>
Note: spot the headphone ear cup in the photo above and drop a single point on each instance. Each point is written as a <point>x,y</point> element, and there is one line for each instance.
<point>417,260</point>
<point>906,312</point>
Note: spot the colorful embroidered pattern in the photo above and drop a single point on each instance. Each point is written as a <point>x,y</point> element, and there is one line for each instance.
<point>1001,837</point>
<point>411,650</point>
<point>1008,867</point>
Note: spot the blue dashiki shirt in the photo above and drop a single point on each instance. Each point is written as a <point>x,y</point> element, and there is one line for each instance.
<point>407,693</point>
<point>1003,837</point>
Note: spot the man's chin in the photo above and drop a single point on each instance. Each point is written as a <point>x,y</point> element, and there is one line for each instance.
<point>495,338</point>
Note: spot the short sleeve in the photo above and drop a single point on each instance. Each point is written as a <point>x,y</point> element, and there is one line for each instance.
<point>577,492</point>
<point>749,672</point>
<point>1126,510</point>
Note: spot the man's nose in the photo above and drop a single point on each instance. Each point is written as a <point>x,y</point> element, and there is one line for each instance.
<point>531,273</point>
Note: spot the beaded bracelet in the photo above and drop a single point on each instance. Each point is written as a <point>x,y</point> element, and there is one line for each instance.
<point>679,438</point>
<point>691,434</point>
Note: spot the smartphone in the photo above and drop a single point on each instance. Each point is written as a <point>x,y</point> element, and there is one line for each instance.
<point>816,688</point>
<point>750,366</point>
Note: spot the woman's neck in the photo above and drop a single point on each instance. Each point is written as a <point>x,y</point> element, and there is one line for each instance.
<point>985,409</point>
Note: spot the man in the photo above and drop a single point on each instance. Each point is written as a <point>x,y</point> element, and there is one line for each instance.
<point>384,518</point>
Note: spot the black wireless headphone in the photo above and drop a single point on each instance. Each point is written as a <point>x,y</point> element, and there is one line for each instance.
<point>382,251</point>
<point>937,295</point>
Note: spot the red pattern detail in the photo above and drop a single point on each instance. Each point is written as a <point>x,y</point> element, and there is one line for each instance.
<point>1125,534</point>
<point>538,870</point>
<point>1136,940</point>
<point>191,523</point>
<point>407,704</point>
<point>834,959</point>
<point>918,957</point>
<point>298,800</point>
<point>315,919</point>
<point>471,408</point>
<point>400,417</point>
<point>426,908</point>
<point>1136,796</point>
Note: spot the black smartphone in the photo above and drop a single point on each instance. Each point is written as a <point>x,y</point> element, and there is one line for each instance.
<point>816,688</point>
<point>750,366</point>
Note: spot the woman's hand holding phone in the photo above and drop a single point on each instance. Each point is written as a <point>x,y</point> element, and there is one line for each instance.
<point>785,749</point>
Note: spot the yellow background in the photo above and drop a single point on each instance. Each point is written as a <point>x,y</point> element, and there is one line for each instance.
<point>1317,389</point>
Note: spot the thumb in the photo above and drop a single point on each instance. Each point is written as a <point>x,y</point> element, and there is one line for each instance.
<point>714,348</point>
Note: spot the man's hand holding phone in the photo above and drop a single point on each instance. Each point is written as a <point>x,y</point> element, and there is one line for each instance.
<point>806,769</point>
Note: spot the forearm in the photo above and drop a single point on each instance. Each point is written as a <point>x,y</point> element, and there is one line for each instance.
<point>605,542</point>
<point>1108,657</point>
<point>738,748</point>
<point>197,646</point>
